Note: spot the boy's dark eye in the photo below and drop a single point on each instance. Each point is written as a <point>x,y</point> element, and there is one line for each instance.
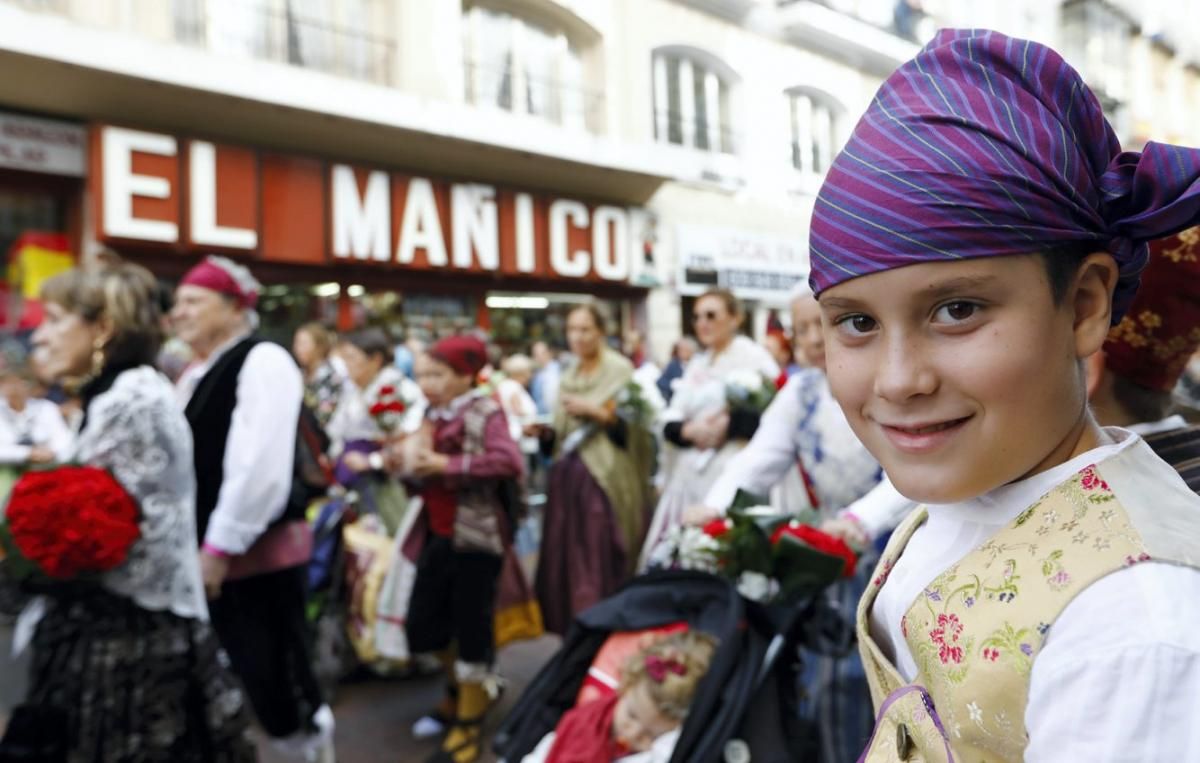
<point>857,324</point>
<point>862,323</point>
<point>956,312</point>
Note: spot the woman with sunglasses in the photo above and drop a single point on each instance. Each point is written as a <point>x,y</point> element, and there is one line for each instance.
<point>704,432</point>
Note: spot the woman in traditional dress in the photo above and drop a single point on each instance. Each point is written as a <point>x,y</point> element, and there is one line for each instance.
<point>699,423</point>
<point>358,434</point>
<point>312,346</point>
<point>127,668</point>
<point>599,488</point>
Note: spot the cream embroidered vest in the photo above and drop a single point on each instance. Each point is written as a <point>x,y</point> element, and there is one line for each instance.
<point>976,630</point>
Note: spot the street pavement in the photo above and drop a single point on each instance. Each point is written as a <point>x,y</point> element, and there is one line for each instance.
<point>374,716</point>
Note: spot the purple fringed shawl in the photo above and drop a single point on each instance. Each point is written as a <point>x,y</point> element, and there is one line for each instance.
<point>984,145</point>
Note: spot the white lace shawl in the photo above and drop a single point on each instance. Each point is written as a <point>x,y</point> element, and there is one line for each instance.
<point>136,430</point>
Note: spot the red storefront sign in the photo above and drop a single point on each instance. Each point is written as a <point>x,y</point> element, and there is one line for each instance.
<point>194,196</point>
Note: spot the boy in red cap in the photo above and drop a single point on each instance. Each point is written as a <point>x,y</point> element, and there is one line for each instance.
<point>462,470</point>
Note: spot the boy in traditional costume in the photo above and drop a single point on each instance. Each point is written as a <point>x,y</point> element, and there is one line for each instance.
<point>470,453</point>
<point>971,247</point>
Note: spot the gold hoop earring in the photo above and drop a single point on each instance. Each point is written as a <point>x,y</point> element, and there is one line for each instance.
<point>97,358</point>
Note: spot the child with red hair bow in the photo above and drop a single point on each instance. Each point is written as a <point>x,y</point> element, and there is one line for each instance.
<point>641,720</point>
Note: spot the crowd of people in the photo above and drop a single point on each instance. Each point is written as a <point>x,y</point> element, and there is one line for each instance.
<point>454,432</point>
<point>974,394</point>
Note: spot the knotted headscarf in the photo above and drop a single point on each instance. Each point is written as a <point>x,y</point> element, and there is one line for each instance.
<point>984,145</point>
<point>224,276</point>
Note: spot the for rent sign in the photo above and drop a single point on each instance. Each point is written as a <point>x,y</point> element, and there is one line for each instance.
<point>196,195</point>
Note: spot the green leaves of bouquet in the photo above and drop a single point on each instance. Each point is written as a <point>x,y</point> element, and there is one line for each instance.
<point>796,558</point>
<point>633,407</point>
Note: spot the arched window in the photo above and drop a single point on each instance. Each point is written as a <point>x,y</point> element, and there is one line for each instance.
<point>692,91</point>
<point>525,66</point>
<point>816,129</point>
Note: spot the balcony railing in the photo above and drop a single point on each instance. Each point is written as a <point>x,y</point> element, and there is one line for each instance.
<point>558,102</point>
<point>276,30</point>
<point>672,127</point>
<point>273,30</point>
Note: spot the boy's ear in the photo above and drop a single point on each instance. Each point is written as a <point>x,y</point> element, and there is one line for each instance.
<point>1091,300</point>
<point>1093,372</point>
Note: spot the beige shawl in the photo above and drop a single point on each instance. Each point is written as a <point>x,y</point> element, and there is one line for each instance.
<point>622,473</point>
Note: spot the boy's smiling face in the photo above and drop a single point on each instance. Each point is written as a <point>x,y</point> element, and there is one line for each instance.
<point>963,376</point>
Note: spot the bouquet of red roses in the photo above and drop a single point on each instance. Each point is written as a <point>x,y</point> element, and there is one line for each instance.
<point>388,407</point>
<point>67,523</point>
<point>769,555</point>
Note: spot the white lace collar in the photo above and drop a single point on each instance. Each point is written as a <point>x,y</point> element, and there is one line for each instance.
<point>451,410</point>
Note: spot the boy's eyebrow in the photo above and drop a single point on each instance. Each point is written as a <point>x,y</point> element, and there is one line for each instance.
<point>935,290</point>
<point>956,285</point>
<point>835,303</point>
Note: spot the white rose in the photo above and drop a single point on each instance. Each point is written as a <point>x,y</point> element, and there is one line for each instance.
<point>754,586</point>
<point>745,380</point>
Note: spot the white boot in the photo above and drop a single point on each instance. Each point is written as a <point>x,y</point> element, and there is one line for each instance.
<point>320,749</point>
<point>310,746</point>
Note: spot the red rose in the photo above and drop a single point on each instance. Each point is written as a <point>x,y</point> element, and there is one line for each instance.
<point>717,528</point>
<point>819,541</point>
<point>781,380</point>
<point>387,390</point>
<point>71,521</point>
<point>378,409</point>
<point>395,406</point>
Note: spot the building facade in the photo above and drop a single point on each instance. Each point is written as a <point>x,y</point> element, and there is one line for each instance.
<point>436,165</point>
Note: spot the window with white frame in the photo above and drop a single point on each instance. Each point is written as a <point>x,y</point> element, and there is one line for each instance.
<point>520,65</point>
<point>815,130</point>
<point>691,102</point>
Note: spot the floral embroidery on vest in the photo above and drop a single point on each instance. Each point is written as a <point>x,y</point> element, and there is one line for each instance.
<point>976,630</point>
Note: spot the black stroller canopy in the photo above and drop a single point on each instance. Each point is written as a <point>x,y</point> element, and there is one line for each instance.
<point>707,603</point>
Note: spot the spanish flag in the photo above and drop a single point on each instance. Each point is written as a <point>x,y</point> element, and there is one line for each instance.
<point>33,257</point>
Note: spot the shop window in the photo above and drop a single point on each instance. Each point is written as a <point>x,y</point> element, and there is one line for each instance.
<point>25,211</point>
<point>36,227</point>
<point>285,307</point>
<point>519,320</point>
<point>815,130</point>
<point>519,65</point>
<point>692,101</point>
<point>332,36</point>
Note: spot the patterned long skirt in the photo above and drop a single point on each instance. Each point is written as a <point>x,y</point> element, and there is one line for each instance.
<point>126,684</point>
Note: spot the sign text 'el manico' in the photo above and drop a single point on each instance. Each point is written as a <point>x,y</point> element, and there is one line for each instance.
<point>194,195</point>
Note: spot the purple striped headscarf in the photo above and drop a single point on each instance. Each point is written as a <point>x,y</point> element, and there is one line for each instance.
<point>985,145</point>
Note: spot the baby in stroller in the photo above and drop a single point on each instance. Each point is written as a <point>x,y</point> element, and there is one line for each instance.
<point>639,721</point>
